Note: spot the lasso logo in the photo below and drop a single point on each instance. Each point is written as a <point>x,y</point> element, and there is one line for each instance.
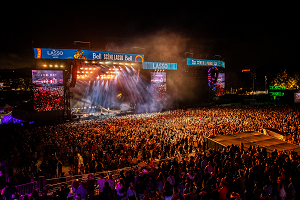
<point>139,58</point>
<point>55,53</point>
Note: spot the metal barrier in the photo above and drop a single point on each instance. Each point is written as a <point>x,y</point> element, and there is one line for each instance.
<point>56,183</point>
<point>28,188</point>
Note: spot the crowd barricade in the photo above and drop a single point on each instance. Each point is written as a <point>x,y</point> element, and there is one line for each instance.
<point>28,188</point>
<point>56,183</point>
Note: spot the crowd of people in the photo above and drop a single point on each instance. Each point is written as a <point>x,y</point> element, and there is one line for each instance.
<point>98,145</point>
<point>232,173</point>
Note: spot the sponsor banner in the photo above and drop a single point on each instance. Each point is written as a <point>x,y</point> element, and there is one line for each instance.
<point>45,53</point>
<point>160,65</point>
<point>204,62</point>
<point>54,53</point>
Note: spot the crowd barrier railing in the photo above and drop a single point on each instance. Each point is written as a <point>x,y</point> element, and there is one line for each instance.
<point>54,184</point>
<point>28,188</point>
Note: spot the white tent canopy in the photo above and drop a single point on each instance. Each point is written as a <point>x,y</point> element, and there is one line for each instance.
<point>254,139</point>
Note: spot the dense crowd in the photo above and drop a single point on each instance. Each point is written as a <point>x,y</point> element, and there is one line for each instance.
<point>97,145</point>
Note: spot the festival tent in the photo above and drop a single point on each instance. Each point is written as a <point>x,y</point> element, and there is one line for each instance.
<point>251,138</point>
<point>6,108</point>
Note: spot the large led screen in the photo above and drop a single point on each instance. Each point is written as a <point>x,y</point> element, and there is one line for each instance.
<point>158,77</point>
<point>47,78</point>
<point>158,85</point>
<point>220,85</point>
<point>48,90</point>
<point>297,98</point>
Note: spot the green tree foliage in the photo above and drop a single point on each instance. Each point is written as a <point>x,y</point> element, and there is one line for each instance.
<point>285,81</point>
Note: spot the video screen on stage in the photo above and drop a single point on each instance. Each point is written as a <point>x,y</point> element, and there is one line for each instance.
<point>48,89</point>
<point>47,78</point>
<point>297,98</point>
<point>158,77</point>
<point>158,85</point>
<point>220,85</point>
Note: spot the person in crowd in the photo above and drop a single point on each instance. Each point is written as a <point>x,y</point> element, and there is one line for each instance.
<point>90,186</point>
<point>168,190</point>
<point>111,182</point>
<point>100,183</point>
<point>64,191</point>
<point>131,194</point>
<point>107,192</point>
<point>160,182</point>
<point>82,191</point>
<point>120,189</point>
<point>75,185</point>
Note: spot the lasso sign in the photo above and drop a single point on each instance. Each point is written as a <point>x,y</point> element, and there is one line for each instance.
<point>44,53</point>
<point>160,65</point>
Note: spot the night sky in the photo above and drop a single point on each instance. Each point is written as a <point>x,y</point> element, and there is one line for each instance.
<point>247,35</point>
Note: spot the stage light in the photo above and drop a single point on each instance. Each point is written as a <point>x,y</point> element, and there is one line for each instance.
<point>90,68</point>
<point>78,71</point>
<point>61,66</point>
<point>93,62</point>
<point>85,61</point>
<point>56,65</point>
<point>91,72</point>
<point>50,65</point>
<point>81,68</point>
<point>94,68</point>
<point>86,72</point>
<point>45,65</point>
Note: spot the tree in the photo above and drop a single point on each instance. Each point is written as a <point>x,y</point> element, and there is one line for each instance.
<point>285,81</point>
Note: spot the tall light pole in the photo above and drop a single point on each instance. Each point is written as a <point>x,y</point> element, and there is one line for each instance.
<point>266,83</point>
<point>253,75</point>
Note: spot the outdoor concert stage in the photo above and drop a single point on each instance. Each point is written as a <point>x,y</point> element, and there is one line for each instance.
<point>67,82</point>
<point>253,139</point>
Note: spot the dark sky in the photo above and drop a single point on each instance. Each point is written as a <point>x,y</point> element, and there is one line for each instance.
<point>246,35</point>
